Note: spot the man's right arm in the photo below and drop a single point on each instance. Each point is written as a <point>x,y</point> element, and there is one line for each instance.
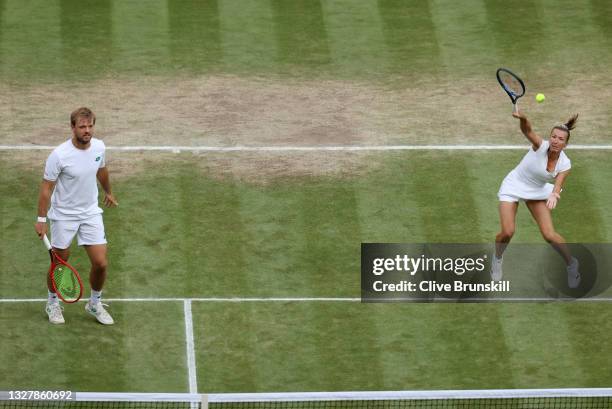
<point>44,197</point>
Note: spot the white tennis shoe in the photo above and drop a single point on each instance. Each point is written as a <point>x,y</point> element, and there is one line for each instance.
<point>54,311</point>
<point>573,275</point>
<point>496,268</point>
<point>98,311</point>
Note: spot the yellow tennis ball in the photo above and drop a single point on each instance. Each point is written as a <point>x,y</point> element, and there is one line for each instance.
<point>540,97</point>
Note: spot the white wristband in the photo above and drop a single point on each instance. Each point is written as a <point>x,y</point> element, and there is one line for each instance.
<point>42,219</point>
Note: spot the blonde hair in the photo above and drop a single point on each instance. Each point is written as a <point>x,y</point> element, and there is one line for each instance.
<point>568,126</point>
<point>82,112</point>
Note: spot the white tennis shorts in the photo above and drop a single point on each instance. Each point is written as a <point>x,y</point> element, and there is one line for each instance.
<point>89,232</point>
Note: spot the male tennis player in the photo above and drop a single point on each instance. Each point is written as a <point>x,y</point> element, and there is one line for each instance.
<point>537,181</point>
<point>69,185</point>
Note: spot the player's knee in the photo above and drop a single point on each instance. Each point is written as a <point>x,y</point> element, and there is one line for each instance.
<point>507,233</point>
<point>549,235</point>
<point>100,265</point>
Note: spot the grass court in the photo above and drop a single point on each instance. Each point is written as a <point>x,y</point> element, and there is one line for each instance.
<point>200,228</point>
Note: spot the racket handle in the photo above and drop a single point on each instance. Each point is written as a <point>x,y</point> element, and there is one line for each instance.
<point>515,109</point>
<point>46,241</point>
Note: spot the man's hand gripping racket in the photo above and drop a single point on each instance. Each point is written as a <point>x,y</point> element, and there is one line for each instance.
<point>66,281</point>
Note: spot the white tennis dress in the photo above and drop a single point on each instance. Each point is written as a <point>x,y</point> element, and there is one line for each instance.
<point>530,180</point>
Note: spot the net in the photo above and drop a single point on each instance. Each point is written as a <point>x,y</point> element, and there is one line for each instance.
<point>495,399</point>
<point>464,399</point>
<point>82,400</point>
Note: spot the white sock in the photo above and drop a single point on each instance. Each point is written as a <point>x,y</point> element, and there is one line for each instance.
<point>96,297</point>
<point>52,298</point>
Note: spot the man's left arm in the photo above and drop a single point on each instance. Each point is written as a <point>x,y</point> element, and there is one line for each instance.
<point>103,177</point>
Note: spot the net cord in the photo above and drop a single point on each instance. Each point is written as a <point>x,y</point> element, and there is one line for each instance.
<point>407,395</point>
<point>338,396</point>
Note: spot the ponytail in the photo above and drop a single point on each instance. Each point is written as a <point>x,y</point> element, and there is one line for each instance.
<point>569,125</point>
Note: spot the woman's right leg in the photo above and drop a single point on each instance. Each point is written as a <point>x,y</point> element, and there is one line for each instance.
<point>507,217</point>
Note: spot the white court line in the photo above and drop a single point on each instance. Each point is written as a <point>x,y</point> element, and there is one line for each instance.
<point>210,299</point>
<point>319,299</point>
<point>190,344</point>
<point>177,149</point>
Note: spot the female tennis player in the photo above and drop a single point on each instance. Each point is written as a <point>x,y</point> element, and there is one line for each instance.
<point>537,180</point>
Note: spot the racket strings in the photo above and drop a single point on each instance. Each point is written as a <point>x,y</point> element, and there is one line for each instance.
<point>512,84</point>
<point>66,283</point>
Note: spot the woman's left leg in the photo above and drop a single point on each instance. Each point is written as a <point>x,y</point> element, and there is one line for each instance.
<point>543,217</point>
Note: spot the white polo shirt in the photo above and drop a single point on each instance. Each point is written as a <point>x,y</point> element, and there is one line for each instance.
<point>75,196</point>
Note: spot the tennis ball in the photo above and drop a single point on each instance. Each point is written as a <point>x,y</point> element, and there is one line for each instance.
<point>540,97</point>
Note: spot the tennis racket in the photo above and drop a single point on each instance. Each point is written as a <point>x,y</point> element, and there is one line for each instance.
<point>67,283</point>
<point>512,84</point>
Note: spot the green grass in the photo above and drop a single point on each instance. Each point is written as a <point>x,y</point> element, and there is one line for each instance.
<point>371,40</point>
<point>337,346</point>
<point>135,354</point>
<point>235,238</point>
<point>183,232</point>
<point>437,58</point>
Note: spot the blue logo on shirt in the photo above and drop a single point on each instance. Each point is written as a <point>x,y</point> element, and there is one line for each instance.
<point>98,158</point>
